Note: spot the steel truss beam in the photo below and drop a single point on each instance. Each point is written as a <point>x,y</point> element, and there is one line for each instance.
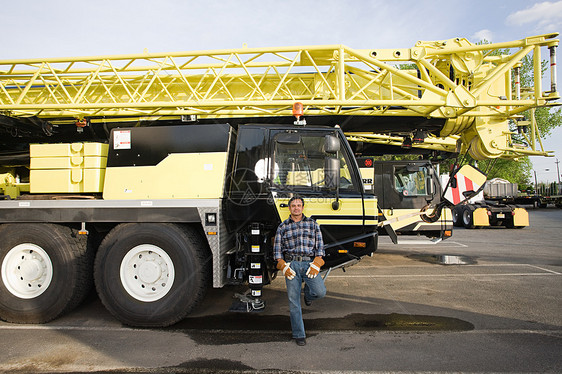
<point>464,83</point>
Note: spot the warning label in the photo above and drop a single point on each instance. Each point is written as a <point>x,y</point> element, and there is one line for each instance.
<point>122,139</point>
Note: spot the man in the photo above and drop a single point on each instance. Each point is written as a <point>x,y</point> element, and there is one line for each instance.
<point>298,249</point>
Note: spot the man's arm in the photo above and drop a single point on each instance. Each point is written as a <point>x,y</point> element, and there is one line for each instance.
<point>319,250</point>
<point>318,262</point>
<point>278,255</point>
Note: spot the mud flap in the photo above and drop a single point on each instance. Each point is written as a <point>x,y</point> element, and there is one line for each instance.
<point>480,217</point>
<point>520,217</point>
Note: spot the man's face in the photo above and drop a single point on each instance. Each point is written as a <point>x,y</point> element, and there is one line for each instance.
<point>296,208</point>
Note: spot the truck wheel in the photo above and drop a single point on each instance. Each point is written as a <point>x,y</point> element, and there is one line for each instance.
<point>46,271</point>
<point>151,275</point>
<point>467,217</point>
<point>457,216</point>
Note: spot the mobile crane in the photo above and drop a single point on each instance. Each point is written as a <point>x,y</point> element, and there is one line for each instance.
<point>161,174</point>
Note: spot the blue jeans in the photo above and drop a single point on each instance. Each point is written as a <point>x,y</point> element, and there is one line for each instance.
<point>313,289</point>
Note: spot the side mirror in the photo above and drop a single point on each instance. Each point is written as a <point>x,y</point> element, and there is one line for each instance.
<point>332,173</point>
<point>331,144</point>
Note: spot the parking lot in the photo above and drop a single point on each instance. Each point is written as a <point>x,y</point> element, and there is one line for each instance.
<point>487,300</point>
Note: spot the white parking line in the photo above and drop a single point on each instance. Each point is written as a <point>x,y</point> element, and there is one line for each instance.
<point>554,332</point>
<point>545,272</point>
<point>550,271</point>
<point>445,275</point>
<point>70,328</point>
<point>450,244</point>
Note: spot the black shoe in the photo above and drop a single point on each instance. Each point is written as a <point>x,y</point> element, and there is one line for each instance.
<point>307,302</point>
<point>300,341</point>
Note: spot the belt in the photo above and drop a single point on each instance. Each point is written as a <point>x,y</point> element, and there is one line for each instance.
<point>290,257</point>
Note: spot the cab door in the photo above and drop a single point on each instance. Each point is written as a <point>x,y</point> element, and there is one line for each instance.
<point>311,165</point>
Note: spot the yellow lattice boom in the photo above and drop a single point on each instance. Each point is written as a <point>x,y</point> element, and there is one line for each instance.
<point>467,86</point>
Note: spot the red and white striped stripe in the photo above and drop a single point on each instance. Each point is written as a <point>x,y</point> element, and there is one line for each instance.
<point>455,195</point>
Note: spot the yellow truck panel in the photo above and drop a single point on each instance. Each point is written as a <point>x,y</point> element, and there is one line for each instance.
<point>68,167</point>
<point>178,176</point>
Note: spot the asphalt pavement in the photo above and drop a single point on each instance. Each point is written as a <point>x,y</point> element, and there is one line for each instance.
<point>487,300</point>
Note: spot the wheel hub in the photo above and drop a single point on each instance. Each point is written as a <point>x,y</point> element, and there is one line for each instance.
<point>147,273</point>
<point>27,271</point>
<point>31,269</point>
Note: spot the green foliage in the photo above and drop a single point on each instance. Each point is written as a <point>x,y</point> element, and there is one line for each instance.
<point>548,119</point>
<point>408,66</point>
<point>514,171</point>
<point>398,157</point>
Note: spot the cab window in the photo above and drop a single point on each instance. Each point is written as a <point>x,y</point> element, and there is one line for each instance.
<point>411,181</point>
<point>301,164</point>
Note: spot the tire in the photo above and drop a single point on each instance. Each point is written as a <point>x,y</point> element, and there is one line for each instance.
<point>150,274</point>
<point>46,271</point>
<point>467,217</point>
<point>457,216</point>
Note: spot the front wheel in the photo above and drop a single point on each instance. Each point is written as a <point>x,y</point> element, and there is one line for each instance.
<point>152,275</point>
<point>46,271</point>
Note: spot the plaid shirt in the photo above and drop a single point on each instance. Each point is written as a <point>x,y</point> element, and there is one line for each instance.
<point>301,238</point>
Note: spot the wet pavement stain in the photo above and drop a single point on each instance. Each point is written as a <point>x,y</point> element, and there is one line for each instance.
<point>234,328</point>
<point>389,322</point>
<point>212,366</point>
<point>444,259</point>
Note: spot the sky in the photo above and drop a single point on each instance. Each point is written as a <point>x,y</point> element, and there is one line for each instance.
<point>60,28</point>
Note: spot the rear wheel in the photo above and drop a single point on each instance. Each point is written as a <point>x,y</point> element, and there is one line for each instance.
<point>152,275</point>
<point>46,271</point>
<point>467,217</point>
<point>457,216</point>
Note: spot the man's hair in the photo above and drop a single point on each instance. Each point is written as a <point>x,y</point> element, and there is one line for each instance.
<point>296,198</point>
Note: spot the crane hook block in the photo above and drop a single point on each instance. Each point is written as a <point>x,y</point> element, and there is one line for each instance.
<point>434,215</point>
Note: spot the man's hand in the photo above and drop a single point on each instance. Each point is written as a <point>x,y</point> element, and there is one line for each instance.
<point>285,268</point>
<point>315,266</point>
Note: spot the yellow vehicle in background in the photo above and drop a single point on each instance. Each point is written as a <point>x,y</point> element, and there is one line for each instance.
<point>403,188</point>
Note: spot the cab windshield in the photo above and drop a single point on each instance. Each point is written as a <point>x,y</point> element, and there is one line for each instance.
<point>301,164</point>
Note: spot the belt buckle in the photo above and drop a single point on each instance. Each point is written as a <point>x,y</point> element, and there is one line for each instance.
<point>298,258</point>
